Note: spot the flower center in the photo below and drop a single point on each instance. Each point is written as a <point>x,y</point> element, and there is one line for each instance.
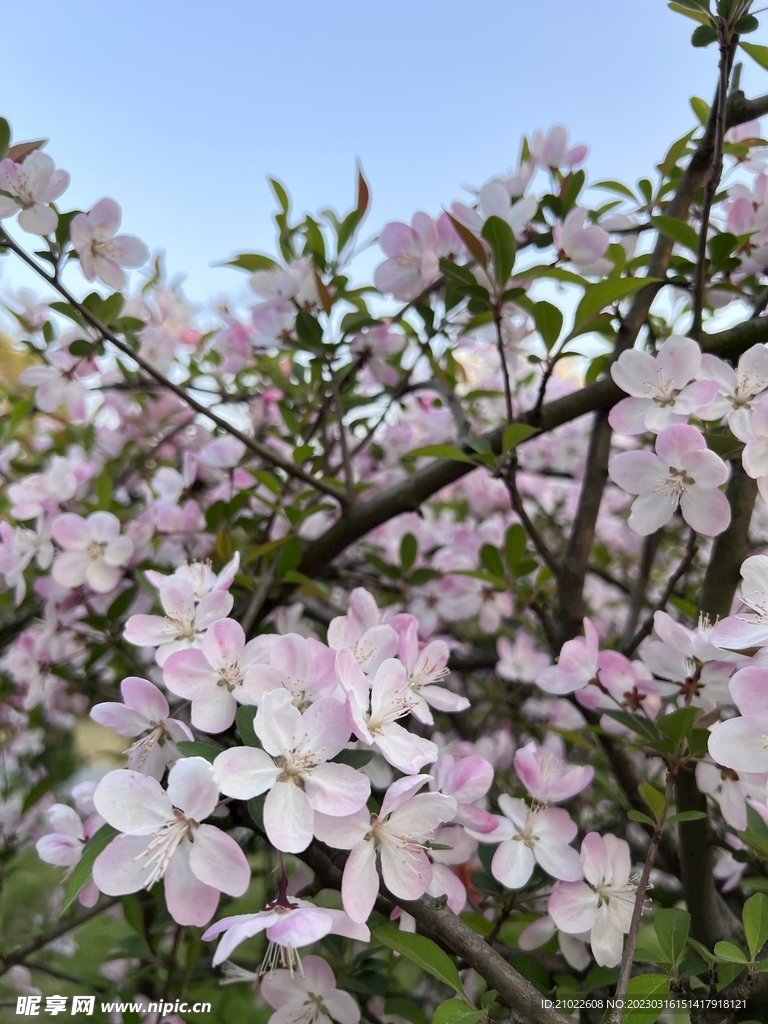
<point>165,842</point>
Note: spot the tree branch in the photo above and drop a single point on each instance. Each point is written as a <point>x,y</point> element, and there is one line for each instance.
<point>20,954</point>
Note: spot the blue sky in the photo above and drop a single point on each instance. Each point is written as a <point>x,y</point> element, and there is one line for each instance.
<point>179,110</point>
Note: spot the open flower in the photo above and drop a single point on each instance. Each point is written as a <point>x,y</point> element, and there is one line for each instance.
<point>289,925</point>
<point>578,242</point>
<point>425,668</point>
<point>546,775</point>
<point>742,632</point>
<point>739,389</point>
<point>663,390</point>
<point>94,552</point>
<point>397,833</point>
<point>742,743</point>
<point>63,847</point>
<point>362,631</point>
<point>310,997</point>
<point>412,257</point>
<point>552,151</point>
<point>163,838</point>
<point>103,253</point>
<point>32,185</point>
<point>532,835</point>
<point>144,714</point>
<point>305,668</point>
<point>602,904</point>
<point>293,768</point>
<point>682,472</point>
<point>576,667</point>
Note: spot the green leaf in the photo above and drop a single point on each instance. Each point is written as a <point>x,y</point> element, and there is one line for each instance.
<point>83,870</point>
<point>355,758</point>
<point>598,296</point>
<point>757,53</point>
<point>640,817</point>
<point>647,988</point>
<point>691,965</point>
<point>642,726</point>
<point>685,816</point>
<point>677,230</point>
<point>251,262</point>
<point>409,548</point>
<point>651,796</point>
<point>121,604</point>
<point>515,543</point>
<point>680,7</point>
<point>490,558</point>
<point>193,748</point>
<point>456,1011</point>
<point>423,952</point>
<point>700,108</point>
<point>672,927</point>
<point>5,137</point>
<point>244,718</point>
<point>762,967</point>
<point>755,918</point>
<point>615,186</point>
<point>280,194</point>
<point>499,235</point>
<point>748,23</point>
<point>472,243</point>
<point>678,724</point>
<point>515,434</point>
<point>703,36</point>
<point>440,451</point>
<point>549,322</point>
<point>730,954</point>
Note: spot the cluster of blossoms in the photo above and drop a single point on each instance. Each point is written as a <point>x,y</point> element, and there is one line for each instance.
<point>374,729</point>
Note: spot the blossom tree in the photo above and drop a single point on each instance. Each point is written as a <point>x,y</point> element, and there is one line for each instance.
<point>397,651</point>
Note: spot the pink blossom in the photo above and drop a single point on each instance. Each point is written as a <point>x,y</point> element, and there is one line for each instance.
<point>532,835</point>
<point>373,715</point>
<point>683,471</point>
<point>162,837</point>
<point>573,947</point>
<point>551,150</point>
<point>304,667</point>
<point>741,632</point>
<point>467,780</point>
<point>739,389</point>
<point>103,253</point>
<point>94,551</point>
<point>63,847</point>
<point>374,346</point>
<point>32,184</point>
<point>18,548</point>
<point>293,767</point>
<point>144,714</point>
<point>412,262</point>
<point>185,620</point>
<point>43,492</point>
<point>546,774</point>
<point>57,385</point>
<point>398,833</point>
<point>362,631</point>
<point>289,925</point>
<point>583,244</point>
<point>755,455</point>
<point>576,666</point>
<point>728,789</point>
<point>310,997</point>
<point>603,904</point>
<point>424,669</point>
<point>519,660</point>
<point>493,200</point>
<point>664,390</point>
<point>215,676</point>
<point>740,743</point>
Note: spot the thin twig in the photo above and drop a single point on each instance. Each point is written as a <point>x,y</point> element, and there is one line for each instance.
<point>681,571</point>
<point>510,479</point>
<point>20,954</point>
<point>504,367</point>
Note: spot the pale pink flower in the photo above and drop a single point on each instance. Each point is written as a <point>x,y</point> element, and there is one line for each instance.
<point>467,780</point>
<point>754,457</point>
<point>576,666</point>
<point>729,789</point>
<point>32,184</point>
<point>215,675</point>
<point>373,346</point>
<point>398,833</point>
<point>304,667</point>
<point>185,620</point>
<point>683,472</point>
<point>362,631</point>
<point>310,997</point>
<point>742,632</point>
<point>532,835</point>
<point>163,838</point>
<point>740,388</point>
<point>412,262</point>
<point>373,714</point>
<point>289,925</point>
<point>546,774</point>
<point>551,150</point>
<point>663,390</point>
<point>18,548</point>
<point>603,904</point>
<point>493,200</point>
<point>294,768</point>
<point>56,385</point>
<point>94,551</point>
<point>103,253</point>
<point>424,669</point>
<point>578,242</point>
<point>43,492</point>
<point>573,947</point>
<point>144,714</point>
<point>519,660</point>
<point>740,743</point>
<point>63,846</point>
